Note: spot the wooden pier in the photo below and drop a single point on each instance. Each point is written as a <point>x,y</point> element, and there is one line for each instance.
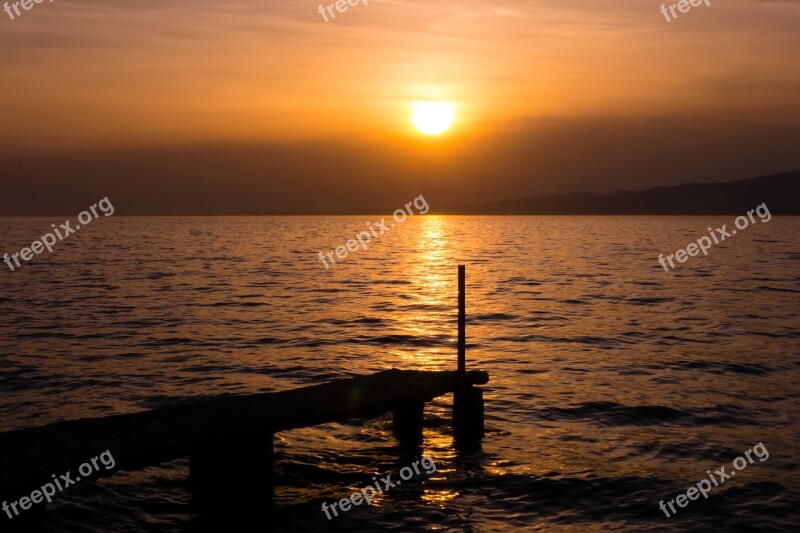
<point>29,456</point>
<point>229,440</point>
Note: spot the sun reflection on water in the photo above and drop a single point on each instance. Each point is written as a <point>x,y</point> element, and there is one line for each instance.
<point>432,298</point>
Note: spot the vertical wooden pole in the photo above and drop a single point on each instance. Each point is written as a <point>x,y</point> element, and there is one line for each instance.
<point>462,322</point>
<point>467,400</point>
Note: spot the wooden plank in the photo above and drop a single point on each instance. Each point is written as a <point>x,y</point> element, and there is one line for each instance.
<point>28,457</point>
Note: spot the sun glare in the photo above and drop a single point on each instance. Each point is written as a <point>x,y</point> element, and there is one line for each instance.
<point>433,118</point>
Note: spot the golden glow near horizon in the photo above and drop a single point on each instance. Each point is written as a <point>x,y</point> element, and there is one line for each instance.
<point>433,118</point>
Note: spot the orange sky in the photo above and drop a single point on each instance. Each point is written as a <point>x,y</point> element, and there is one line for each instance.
<point>90,74</point>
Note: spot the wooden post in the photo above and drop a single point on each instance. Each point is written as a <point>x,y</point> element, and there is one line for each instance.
<point>468,426</point>
<point>234,472</point>
<point>407,423</point>
<point>467,400</point>
<point>462,322</point>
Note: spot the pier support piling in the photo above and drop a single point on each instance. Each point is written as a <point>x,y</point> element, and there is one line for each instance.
<point>407,422</point>
<point>235,470</point>
<point>468,425</point>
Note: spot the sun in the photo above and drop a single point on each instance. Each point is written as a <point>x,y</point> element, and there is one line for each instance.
<point>433,118</point>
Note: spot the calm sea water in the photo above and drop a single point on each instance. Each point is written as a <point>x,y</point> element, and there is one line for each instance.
<point>614,384</point>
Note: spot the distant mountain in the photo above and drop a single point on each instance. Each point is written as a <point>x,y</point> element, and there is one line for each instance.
<point>781,192</point>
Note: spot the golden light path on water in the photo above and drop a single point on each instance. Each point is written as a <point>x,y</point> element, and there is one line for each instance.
<point>432,291</point>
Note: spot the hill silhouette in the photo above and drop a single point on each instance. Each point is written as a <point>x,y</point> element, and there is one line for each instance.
<point>781,193</point>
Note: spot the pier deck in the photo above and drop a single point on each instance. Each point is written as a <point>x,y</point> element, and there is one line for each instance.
<point>28,457</point>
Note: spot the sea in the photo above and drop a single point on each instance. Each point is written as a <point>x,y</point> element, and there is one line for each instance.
<point>614,384</point>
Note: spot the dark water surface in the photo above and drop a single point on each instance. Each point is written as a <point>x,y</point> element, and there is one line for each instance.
<point>614,384</point>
